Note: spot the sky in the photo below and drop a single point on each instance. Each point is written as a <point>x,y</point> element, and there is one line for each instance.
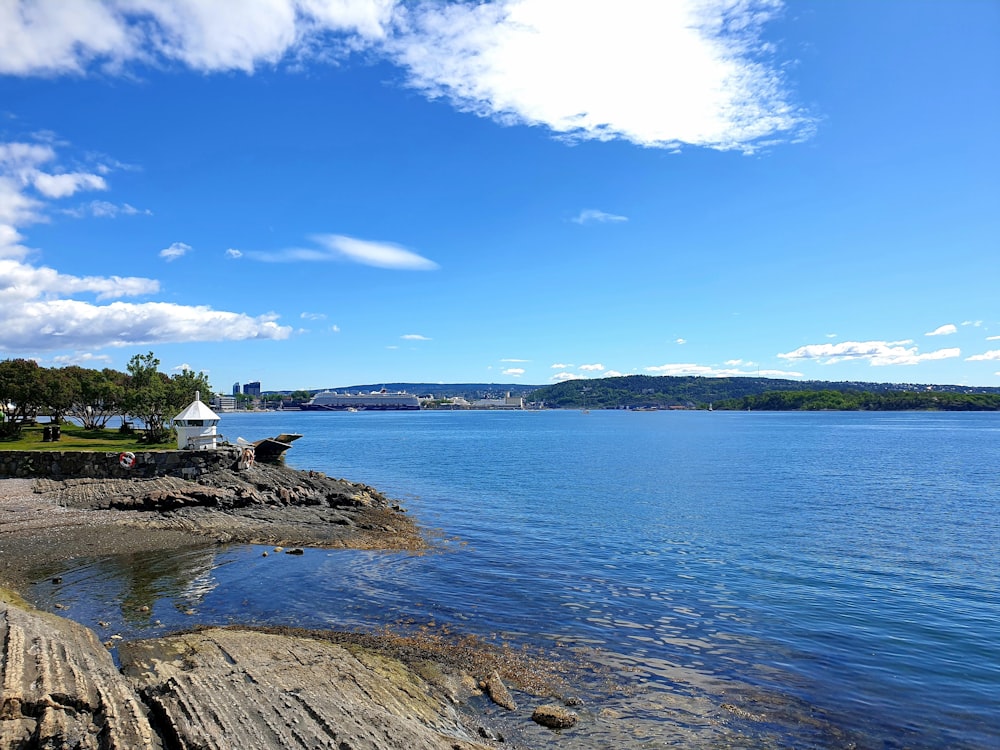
<point>321,193</point>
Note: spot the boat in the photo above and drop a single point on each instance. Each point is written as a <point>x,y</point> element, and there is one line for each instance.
<point>270,450</point>
<point>381,400</point>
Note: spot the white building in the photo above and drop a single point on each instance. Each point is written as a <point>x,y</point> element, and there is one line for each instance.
<point>196,426</point>
<point>222,402</point>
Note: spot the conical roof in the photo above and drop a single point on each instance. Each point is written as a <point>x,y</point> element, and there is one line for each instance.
<point>197,410</point>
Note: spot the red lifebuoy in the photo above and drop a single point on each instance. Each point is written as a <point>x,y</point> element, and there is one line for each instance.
<point>126,460</point>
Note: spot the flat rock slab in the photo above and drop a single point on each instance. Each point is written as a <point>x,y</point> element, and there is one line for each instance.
<point>219,689</point>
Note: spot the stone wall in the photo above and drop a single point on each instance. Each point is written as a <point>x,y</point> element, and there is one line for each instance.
<point>98,465</point>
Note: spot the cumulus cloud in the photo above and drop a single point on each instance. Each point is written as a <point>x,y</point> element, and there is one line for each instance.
<point>514,371</point>
<point>561,366</point>
<point>82,358</point>
<point>340,247</point>
<point>993,338</point>
<point>233,253</point>
<point>974,323</point>
<point>22,283</point>
<point>878,353</point>
<point>613,374</point>
<point>944,330</point>
<point>592,215</point>
<point>985,356</point>
<point>658,74</point>
<point>414,337</point>
<point>596,367</point>
<point>175,251</point>
<point>559,377</point>
<point>45,325</point>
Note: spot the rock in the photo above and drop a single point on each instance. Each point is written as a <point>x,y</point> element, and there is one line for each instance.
<point>212,689</point>
<point>57,580</point>
<point>295,551</point>
<point>554,716</point>
<point>499,693</point>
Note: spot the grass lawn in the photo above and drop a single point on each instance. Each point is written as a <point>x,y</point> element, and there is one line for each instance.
<point>75,438</point>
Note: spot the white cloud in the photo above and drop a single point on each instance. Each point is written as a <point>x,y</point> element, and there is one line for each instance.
<point>106,210</point>
<point>592,215</point>
<point>414,337</point>
<point>985,356</point>
<point>175,251</point>
<point>340,247</point>
<point>45,325</point>
<point>680,341</point>
<point>560,366</point>
<point>335,328</point>
<point>613,374</point>
<point>993,338</point>
<point>82,358</point>
<point>592,368</point>
<point>514,371</point>
<point>183,367</point>
<point>36,304</point>
<point>974,323</point>
<point>944,330</point>
<point>21,283</point>
<point>233,253</point>
<point>706,371</point>
<point>831,335</point>
<point>878,353</point>
<point>312,316</point>
<point>654,73</point>
<point>734,362</point>
<point>559,377</point>
<point>512,360</point>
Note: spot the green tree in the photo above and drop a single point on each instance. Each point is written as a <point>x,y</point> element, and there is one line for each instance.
<point>101,393</point>
<point>21,394</point>
<point>147,396</point>
<point>60,390</point>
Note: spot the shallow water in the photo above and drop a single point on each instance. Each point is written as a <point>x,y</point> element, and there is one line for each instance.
<point>831,578</point>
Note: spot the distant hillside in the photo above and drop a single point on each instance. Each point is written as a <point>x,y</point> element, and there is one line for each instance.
<point>698,392</point>
<point>692,392</point>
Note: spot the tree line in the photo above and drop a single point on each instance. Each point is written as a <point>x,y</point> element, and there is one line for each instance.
<point>827,400</point>
<point>93,397</point>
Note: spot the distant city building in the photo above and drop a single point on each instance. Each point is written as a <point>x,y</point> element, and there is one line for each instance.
<point>507,402</point>
<point>252,389</point>
<point>236,389</point>
<point>221,402</point>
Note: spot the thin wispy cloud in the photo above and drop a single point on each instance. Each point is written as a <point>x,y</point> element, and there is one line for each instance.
<point>945,330</point>
<point>707,371</point>
<point>106,210</point>
<point>560,377</point>
<point>175,251</point>
<point>515,372</point>
<point>532,62</point>
<point>877,353</point>
<point>414,337</point>
<point>593,216</point>
<point>338,247</point>
<point>234,253</point>
<point>561,366</point>
<point>514,361</point>
<point>596,367</point>
<point>312,316</point>
<point>680,341</point>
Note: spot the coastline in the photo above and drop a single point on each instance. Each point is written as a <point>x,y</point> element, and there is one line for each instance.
<point>195,688</point>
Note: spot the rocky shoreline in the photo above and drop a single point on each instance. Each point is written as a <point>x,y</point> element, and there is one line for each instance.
<point>231,687</point>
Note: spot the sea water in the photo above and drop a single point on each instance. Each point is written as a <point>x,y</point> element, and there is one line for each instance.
<point>746,579</point>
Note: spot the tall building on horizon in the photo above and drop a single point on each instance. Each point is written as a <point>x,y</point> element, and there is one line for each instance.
<point>252,389</point>
<point>236,389</point>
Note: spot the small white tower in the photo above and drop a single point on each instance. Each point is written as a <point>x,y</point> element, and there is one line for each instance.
<point>196,426</point>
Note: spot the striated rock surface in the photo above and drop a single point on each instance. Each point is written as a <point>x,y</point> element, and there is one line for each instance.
<point>219,689</point>
<point>61,689</point>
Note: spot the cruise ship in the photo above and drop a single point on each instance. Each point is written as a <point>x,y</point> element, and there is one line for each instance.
<point>374,401</point>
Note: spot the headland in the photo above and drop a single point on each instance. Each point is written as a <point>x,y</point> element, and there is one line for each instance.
<point>212,687</point>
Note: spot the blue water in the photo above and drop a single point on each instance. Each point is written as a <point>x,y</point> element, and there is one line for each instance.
<point>836,575</point>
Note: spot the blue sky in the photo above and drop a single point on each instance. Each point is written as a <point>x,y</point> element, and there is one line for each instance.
<point>316,193</point>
